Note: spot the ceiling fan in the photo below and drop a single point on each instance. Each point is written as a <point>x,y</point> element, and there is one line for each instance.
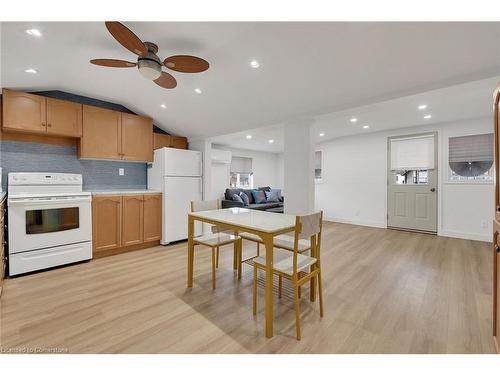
<point>148,63</point>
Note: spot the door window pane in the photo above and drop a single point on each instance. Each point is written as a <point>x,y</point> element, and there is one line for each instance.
<point>52,220</point>
<point>412,177</point>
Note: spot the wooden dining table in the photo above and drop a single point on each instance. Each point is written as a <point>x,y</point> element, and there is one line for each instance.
<point>266,225</point>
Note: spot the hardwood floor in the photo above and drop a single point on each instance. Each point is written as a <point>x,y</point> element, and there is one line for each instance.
<point>385,292</point>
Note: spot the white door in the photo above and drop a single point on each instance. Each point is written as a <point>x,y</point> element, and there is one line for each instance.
<point>182,162</point>
<point>179,192</point>
<point>412,182</point>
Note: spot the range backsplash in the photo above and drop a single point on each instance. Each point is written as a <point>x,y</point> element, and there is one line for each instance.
<point>97,174</point>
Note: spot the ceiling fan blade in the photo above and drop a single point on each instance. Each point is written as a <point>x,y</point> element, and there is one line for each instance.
<point>166,81</point>
<point>186,64</point>
<point>126,38</point>
<point>113,63</point>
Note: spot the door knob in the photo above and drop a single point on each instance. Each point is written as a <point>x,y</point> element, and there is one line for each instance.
<point>433,189</point>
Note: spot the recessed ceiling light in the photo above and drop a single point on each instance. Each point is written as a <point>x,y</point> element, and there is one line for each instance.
<point>321,134</point>
<point>31,70</point>
<point>271,141</point>
<point>354,119</point>
<point>249,136</point>
<point>254,64</point>
<point>427,117</point>
<point>366,127</point>
<point>34,32</point>
<point>197,90</point>
<point>422,106</point>
<point>163,106</point>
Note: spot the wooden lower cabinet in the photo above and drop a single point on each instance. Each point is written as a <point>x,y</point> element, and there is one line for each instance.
<point>106,223</point>
<point>123,223</point>
<point>132,220</point>
<point>152,217</point>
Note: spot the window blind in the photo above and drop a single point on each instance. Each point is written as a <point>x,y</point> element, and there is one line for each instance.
<point>470,148</point>
<point>412,153</point>
<point>241,165</point>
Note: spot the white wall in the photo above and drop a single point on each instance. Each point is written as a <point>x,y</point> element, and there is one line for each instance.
<point>354,187</point>
<point>267,168</point>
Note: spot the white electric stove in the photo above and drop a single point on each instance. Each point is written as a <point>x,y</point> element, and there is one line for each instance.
<point>49,221</point>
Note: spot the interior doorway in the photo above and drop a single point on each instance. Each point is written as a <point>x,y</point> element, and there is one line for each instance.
<point>412,182</point>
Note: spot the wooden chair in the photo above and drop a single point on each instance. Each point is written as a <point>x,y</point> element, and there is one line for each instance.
<point>297,267</point>
<point>217,238</point>
<point>283,241</point>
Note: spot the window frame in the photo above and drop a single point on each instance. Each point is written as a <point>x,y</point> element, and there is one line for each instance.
<point>448,168</point>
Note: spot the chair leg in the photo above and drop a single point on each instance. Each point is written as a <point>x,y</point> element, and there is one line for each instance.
<point>297,309</point>
<point>280,285</point>
<point>235,255</point>
<point>240,257</point>
<point>254,290</point>
<point>213,267</point>
<point>320,291</point>
<point>217,258</point>
<point>300,292</point>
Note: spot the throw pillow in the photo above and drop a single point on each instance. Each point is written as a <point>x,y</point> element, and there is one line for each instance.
<point>237,198</point>
<point>259,196</point>
<point>278,192</point>
<point>244,199</point>
<point>272,196</point>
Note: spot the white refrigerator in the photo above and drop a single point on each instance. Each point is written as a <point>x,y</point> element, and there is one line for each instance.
<point>177,174</point>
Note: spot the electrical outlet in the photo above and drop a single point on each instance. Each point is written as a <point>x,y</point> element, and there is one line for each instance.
<point>121,171</point>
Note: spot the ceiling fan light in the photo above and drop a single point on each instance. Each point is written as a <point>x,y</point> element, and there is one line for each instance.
<point>149,69</point>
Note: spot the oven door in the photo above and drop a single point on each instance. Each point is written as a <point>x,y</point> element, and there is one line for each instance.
<point>38,223</point>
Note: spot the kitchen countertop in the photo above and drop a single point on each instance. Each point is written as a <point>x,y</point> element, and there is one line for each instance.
<point>119,192</point>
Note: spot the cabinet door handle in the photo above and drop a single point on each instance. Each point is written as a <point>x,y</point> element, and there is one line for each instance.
<point>43,124</point>
<point>49,125</point>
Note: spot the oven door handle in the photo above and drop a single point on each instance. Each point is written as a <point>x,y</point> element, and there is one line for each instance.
<point>38,201</point>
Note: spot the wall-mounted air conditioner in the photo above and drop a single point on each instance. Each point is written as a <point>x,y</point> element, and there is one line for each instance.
<point>221,156</point>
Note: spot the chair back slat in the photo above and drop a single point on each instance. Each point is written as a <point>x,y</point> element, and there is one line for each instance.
<point>197,206</point>
<point>310,225</point>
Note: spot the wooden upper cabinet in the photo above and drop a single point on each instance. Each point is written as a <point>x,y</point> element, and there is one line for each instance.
<point>179,142</point>
<point>161,140</point>
<point>167,140</point>
<point>101,136</point>
<point>132,220</point>
<point>64,118</point>
<point>137,138</point>
<point>106,223</point>
<point>152,217</point>
<point>24,112</point>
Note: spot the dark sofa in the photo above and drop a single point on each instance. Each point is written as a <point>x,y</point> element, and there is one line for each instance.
<point>228,202</point>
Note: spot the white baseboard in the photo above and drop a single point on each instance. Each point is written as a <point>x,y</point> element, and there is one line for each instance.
<point>466,236</point>
<point>444,233</point>
<point>356,222</point>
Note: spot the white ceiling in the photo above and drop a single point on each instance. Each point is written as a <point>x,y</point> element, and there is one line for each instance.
<point>306,68</point>
<point>458,102</point>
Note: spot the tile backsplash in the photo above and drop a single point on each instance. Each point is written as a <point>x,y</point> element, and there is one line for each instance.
<point>97,174</point>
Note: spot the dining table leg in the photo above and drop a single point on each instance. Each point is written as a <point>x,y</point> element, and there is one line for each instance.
<point>268,243</point>
<point>190,251</point>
